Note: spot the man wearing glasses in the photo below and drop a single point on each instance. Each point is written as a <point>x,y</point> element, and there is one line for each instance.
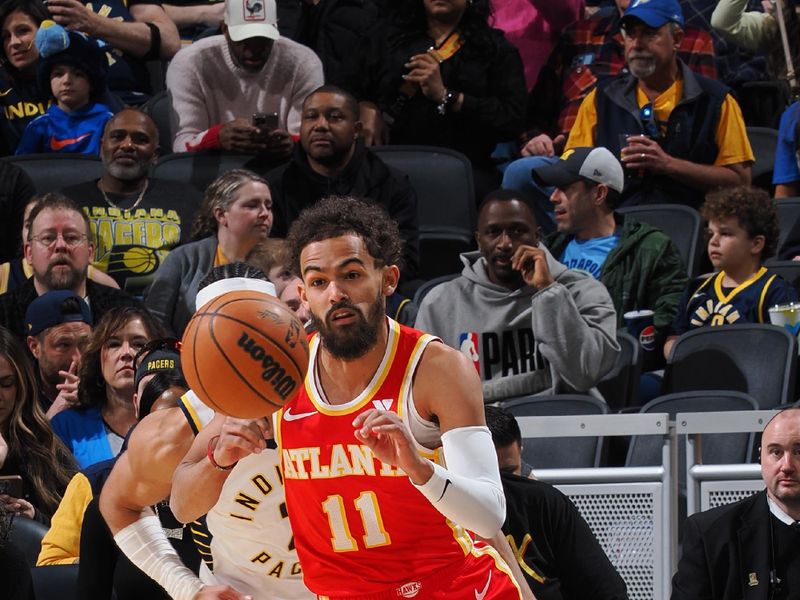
<point>678,134</point>
<point>58,247</point>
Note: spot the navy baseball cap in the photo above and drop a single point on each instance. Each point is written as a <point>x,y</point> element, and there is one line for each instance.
<point>654,13</point>
<point>48,310</point>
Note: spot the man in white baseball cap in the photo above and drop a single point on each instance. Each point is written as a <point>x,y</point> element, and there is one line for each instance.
<point>639,265</point>
<point>242,90</point>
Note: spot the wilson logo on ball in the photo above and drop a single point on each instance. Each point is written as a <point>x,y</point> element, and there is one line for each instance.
<point>273,372</point>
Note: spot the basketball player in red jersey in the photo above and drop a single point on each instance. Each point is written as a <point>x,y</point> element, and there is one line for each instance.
<point>374,512</point>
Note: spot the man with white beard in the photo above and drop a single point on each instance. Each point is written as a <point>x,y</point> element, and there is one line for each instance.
<point>678,134</point>
<point>135,219</point>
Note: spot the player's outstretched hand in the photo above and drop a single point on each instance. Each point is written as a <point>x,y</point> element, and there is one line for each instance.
<point>241,437</point>
<point>391,442</point>
<point>219,592</point>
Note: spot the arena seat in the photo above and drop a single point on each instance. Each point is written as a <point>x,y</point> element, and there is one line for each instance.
<point>726,448</point>
<point>620,387</point>
<point>158,109</point>
<point>55,582</point>
<point>52,172</point>
<point>199,169</point>
<point>789,220</point>
<point>681,223</point>
<point>558,453</point>
<point>426,287</point>
<point>759,360</point>
<point>446,206</point>
<point>26,535</point>
<point>763,140</point>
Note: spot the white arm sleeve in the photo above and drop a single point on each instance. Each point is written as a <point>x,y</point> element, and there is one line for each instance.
<point>468,491</point>
<point>146,545</point>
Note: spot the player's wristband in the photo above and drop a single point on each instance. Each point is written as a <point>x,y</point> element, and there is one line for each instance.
<point>146,545</point>
<point>212,444</point>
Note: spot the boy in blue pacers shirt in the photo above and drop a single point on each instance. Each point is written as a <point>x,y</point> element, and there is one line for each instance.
<point>74,68</point>
<point>742,232</point>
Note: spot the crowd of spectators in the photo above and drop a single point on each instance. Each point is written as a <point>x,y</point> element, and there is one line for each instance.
<point>568,111</point>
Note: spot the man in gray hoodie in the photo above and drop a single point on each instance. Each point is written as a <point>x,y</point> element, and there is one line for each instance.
<point>529,324</point>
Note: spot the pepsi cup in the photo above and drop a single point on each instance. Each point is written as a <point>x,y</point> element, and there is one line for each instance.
<point>786,316</point>
<point>640,326</point>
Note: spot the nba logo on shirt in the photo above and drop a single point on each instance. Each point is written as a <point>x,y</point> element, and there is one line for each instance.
<point>254,10</point>
<point>468,344</point>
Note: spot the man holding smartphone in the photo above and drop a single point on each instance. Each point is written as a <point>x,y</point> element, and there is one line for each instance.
<point>242,91</point>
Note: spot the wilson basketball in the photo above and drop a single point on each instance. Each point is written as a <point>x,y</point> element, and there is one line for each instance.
<point>245,354</point>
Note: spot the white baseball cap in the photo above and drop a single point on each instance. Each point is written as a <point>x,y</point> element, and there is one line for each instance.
<point>251,18</point>
<point>595,164</point>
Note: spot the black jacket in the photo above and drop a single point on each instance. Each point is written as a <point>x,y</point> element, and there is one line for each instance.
<point>490,76</point>
<point>14,304</point>
<point>16,188</point>
<point>338,31</point>
<point>558,553</point>
<point>726,553</point>
<point>296,186</point>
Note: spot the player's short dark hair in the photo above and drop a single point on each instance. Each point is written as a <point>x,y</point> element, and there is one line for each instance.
<point>55,201</point>
<point>335,216</point>
<point>507,195</point>
<point>160,383</point>
<point>230,270</point>
<point>350,101</point>
<point>751,207</point>
<point>503,426</point>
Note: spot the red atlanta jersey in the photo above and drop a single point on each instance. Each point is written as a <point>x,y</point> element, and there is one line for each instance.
<point>360,526</point>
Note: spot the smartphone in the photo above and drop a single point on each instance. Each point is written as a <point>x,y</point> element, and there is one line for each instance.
<point>266,122</point>
<point>11,485</point>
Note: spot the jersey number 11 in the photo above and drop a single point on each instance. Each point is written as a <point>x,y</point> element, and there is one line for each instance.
<point>367,506</point>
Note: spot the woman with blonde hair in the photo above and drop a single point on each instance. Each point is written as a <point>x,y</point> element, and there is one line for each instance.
<point>236,214</point>
<point>28,447</point>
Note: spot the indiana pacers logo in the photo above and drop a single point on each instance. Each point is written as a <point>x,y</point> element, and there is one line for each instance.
<point>714,314</point>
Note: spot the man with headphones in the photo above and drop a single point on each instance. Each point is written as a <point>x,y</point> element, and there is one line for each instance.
<point>750,549</point>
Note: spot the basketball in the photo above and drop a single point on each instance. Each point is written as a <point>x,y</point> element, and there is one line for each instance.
<point>245,354</point>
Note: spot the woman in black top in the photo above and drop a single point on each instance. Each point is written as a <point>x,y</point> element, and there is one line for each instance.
<point>443,77</point>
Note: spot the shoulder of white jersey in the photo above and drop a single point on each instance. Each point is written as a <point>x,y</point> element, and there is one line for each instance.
<point>197,414</point>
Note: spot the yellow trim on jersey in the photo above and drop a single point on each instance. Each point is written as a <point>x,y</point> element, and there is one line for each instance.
<point>461,537</point>
<point>498,562</point>
<point>276,425</point>
<point>5,275</point>
<point>369,392</point>
<point>27,268</point>
<point>763,298</point>
<point>190,413</point>
<point>727,299</point>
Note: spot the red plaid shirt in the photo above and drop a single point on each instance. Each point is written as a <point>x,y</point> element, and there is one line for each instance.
<point>589,51</point>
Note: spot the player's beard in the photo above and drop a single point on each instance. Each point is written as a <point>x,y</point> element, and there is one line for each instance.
<point>352,341</point>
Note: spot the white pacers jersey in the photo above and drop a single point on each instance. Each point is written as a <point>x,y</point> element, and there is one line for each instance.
<point>251,540</point>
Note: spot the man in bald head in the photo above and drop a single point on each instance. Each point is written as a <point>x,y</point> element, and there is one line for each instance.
<point>750,549</point>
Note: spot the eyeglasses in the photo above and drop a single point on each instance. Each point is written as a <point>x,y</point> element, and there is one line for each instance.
<point>72,240</point>
<point>153,345</point>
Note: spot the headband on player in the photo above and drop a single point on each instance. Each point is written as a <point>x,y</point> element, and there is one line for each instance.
<point>233,284</point>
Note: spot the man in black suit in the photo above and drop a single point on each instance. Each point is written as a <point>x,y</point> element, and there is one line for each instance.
<point>58,247</point>
<point>750,550</point>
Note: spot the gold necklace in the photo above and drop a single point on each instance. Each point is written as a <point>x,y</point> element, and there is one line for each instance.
<point>135,204</point>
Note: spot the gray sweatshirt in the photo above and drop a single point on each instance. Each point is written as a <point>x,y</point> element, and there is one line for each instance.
<point>560,339</point>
